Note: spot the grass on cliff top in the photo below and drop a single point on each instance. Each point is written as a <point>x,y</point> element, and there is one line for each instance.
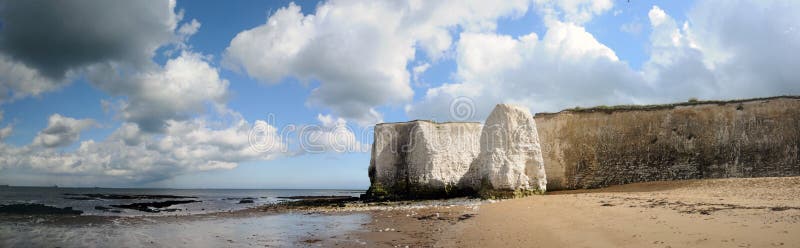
<point>690,102</point>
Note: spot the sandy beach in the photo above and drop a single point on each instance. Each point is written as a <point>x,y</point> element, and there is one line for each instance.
<point>744,212</point>
<point>752,212</point>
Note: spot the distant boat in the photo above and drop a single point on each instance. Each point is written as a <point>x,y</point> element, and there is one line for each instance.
<point>55,186</point>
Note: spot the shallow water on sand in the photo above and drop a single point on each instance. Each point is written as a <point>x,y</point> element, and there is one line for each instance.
<point>253,231</point>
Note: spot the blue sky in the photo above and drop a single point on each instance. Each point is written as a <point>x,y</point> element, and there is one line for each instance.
<point>166,95</point>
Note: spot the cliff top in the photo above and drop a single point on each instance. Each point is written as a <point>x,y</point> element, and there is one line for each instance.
<point>691,102</point>
<point>434,122</point>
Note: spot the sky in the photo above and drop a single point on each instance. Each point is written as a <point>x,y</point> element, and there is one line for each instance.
<point>280,94</point>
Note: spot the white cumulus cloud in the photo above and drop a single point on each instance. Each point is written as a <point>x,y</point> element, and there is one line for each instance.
<point>331,135</point>
<point>724,50</point>
<point>186,146</point>
<point>564,68</point>
<point>154,96</point>
<point>358,51</point>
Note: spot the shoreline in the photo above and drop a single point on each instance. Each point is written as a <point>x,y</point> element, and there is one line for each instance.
<point>755,212</point>
<point>732,212</point>
<point>302,222</point>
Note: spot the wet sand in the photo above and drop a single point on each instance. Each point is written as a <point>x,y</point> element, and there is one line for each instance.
<point>265,230</point>
<point>311,222</point>
<point>755,212</point>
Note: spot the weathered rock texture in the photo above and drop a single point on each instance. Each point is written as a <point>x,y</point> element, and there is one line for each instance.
<point>510,158</point>
<point>421,159</point>
<point>602,146</point>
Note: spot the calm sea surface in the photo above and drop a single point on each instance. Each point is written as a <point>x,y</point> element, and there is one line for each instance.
<point>211,200</point>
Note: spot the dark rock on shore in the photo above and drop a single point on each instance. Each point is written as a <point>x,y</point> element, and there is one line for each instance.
<point>316,201</point>
<point>242,201</point>
<point>37,209</point>
<point>318,197</point>
<point>122,197</point>
<point>153,207</point>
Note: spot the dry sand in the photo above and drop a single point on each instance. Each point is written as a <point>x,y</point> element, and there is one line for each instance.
<point>752,212</point>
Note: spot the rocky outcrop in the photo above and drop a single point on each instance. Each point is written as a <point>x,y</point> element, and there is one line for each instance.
<point>421,159</point>
<point>597,147</point>
<point>424,159</point>
<point>510,161</point>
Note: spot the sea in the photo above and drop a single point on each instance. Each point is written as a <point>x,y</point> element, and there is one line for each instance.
<point>208,200</point>
<point>205,223</point>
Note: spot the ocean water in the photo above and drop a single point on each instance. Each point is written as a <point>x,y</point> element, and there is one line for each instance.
<point>188,225</point>
<point>210,200</point>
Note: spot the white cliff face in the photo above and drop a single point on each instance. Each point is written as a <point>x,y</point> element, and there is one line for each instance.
<point>427,159</point>
<point>511,156</point>
<point>422,157</point>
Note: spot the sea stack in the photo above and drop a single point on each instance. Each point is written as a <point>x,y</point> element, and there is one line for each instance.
<point>510,162</point>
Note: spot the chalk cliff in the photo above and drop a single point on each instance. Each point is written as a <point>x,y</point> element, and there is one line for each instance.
<point>424,159</point>
<point>510,161</point>
<point>587,148</point>
<point>597,147</point>
<point>421,159</point>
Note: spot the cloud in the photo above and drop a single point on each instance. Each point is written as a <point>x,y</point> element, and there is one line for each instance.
<point>331,135</point>
<point>45,45</point>
<point>173,92</point>
<point>54,37</point>
<point>185,146</point>
<point>737,51</point>
<point>574,11</point>
<point>165,131</point>
<point>357,51</point>
<point>18,80</point>
<point>61,131</point>
<point>564,68</point>
<point>130,134</point>
<point>634,27</point>
<point>749,45</point>
<point>417,71</point>
<point>5,132</point>
<point>675,68</point>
